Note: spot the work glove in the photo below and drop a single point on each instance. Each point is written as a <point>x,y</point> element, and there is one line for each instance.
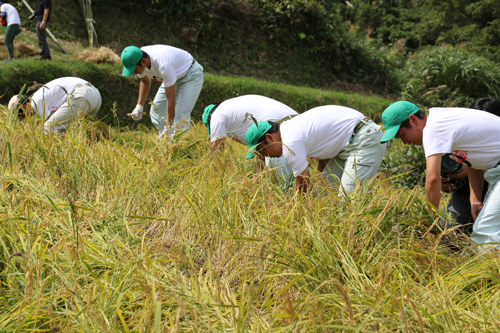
<point>137,113</point>
<point>168,133</point>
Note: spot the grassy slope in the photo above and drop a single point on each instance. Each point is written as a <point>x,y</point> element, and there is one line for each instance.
<point>116,231</point>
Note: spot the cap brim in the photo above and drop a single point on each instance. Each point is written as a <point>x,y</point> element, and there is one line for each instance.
<point>251,152</point>
<point>128,71</point>
<point>390,133</point>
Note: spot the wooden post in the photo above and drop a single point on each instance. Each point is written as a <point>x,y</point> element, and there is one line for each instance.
<point>86,6</point>
<point>50,33</point>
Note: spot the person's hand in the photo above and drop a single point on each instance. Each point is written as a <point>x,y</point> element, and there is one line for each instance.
<point>459,175</point>
<point>168,132</point>
<point>42,25</point>
<point>475,209</point>
<point>137,113</point>
<point>446,184</point>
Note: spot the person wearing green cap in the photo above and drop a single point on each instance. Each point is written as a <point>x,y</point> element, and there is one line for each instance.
<point>467,136</point>
<point>231,118</point>
<point>345,142</point>
<point>182,79</point>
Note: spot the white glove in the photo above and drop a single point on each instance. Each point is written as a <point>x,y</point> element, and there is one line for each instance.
<point>137,113</point>
<point>168,133</point>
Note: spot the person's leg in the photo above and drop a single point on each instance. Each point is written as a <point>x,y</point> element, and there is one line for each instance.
<point>459,209</point>
<point>187,90</point>
<point>76,106</point>
<point>42,41</point>
<point>486,228</point>
<point>158,110</point>
<point>363,155</point>
<point>10,33</point>
<point>92,95</point>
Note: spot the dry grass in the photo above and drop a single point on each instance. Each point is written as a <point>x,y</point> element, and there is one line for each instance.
<point>106,231</point>
<point>21,49</point>
<point>100,55</point>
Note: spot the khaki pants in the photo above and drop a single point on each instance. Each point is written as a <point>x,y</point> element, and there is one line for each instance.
<point>359,160</point>
<point>187,90</point>
<point>486,229</point>
<point>84,101</point>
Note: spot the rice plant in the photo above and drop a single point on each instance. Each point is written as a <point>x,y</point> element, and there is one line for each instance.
<point>105,231</point>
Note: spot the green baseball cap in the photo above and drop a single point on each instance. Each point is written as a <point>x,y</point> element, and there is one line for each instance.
<point>131,55</point>
<point>206,113</point>
<point>253,134</point>
<point>394,115</point>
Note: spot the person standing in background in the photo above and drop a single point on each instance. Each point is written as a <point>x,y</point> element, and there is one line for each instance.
<point>42,14</point>
<point>10,17</point>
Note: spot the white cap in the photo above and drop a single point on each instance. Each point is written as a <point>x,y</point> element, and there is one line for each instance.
<point>13,102</point>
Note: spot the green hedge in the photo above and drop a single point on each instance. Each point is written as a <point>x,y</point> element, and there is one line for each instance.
<point>123,92</point>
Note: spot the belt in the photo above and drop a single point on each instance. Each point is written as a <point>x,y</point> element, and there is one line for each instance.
<point>286,118</point>
<point>361,123</point>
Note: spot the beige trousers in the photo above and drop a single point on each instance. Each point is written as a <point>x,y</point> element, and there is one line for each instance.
<point>85,100</point>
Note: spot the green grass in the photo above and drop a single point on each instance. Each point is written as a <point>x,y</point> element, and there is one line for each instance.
<point>114,231</point>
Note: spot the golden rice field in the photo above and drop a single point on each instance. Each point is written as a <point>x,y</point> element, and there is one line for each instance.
<point>114,231</point>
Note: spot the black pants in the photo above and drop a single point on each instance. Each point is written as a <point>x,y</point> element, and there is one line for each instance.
<point>42,41</point>
<point>459,206</point>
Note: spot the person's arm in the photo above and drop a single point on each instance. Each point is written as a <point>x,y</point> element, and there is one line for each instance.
<point>44,19</point>
<point>218,145</point>
<point>170,92</point>
<point>433,179</point>
<point>476,181</point>
<point>302,181</point>
<point>322,164</point>
<point>144,87</point>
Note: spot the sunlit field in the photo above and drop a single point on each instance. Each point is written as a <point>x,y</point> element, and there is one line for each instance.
<point>116,231</point>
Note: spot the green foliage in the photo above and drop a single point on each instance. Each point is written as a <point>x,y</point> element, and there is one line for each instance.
<point>388,21</point>
<point>450,76</point>
<point>405,160</point>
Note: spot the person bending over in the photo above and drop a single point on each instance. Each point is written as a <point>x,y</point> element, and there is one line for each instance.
<point>182,79</point>
<point>469,137</point>
<point>59,103</point>
<point>454,178</point>
<point>345,142</point>
<point>232,118</point>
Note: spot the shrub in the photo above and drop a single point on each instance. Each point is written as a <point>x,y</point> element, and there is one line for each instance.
<point>451,76</point>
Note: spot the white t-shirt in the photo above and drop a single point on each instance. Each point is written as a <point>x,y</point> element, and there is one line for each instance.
<point>229,117</point>
<point>52,95</point>
<point>12,14</point>
<point>168,63</point>
<point>471,136</point>
<point>319,133</point>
